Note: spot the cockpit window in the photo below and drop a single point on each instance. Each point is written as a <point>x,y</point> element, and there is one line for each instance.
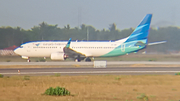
<point>22,47</point>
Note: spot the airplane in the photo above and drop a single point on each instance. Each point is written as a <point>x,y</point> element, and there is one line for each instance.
<point>84,50</point>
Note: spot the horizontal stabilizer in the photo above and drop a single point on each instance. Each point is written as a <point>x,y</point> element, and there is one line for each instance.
<point>155,43</point>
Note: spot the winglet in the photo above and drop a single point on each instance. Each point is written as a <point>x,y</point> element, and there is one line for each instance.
<point>68,44</point>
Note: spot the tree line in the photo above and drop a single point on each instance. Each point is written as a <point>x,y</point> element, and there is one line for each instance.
<point>16,36</point>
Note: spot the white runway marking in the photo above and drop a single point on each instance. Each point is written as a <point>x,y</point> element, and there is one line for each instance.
<point>93,72</point>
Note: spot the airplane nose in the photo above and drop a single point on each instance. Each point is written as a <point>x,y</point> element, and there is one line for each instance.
<point>17,51</point>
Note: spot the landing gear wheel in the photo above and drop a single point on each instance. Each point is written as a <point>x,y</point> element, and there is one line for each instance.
<point>88,59</point>
<point>77,60</point>
<point>28,60</point>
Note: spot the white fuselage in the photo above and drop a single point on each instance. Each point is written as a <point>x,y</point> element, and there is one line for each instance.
<point>46,48</point>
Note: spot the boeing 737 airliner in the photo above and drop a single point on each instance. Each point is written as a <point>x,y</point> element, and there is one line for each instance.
<point>60,50</point>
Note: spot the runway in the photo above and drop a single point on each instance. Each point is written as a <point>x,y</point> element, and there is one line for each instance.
<point>109,63</point>
<point>92,71</point>
<point>67,64</point>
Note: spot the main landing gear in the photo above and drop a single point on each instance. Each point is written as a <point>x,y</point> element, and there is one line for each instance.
<point>87,59</point>
<point>78,59</point>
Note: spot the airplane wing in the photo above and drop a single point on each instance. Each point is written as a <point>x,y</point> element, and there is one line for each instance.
<point>155,43</point>
<point>72,53</point>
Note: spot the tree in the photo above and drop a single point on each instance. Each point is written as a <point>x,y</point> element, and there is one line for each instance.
<point>83,27</point>
<point>112,27</point>
<point>68,26</point>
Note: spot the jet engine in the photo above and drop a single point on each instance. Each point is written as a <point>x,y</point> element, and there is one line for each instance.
<point>58,56</point>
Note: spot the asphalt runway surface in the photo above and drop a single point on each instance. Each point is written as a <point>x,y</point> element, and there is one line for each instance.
<point>111,63</point>
<point>92,71</point>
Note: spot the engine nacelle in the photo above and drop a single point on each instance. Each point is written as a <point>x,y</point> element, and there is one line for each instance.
<point>57,56</point>
<point>25,57</point>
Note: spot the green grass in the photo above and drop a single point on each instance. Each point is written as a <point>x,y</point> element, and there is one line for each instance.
<point>1,76</point>
<point>177,73</point>
<point>57,74</point>
<point>26,77</point>
<point>58,91</point>
<point>143,97</point>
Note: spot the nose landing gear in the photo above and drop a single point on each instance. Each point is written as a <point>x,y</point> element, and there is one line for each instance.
<point>28,60</point>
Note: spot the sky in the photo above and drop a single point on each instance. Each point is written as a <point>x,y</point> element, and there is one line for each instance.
<point>98,13</point>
